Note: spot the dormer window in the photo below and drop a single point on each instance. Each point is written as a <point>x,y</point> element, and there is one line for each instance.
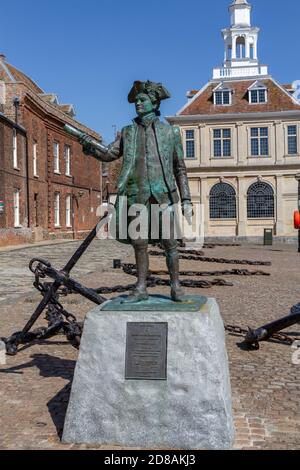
<point>258,93</point>
<point>258,96</point>
<point>222,98</point>
<point>222,95</point>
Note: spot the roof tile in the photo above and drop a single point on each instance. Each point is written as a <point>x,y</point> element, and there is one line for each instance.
<point>278,100</point>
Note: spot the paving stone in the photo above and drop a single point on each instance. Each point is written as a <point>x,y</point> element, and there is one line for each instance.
<point>35,384</point>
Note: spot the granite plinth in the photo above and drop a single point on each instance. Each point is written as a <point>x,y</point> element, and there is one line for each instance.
<point>189,410</point>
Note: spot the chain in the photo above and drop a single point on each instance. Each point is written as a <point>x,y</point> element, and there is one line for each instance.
<point>191,283</point>
<point>234,329</point>
<point>115,289</point>
<point>214,245</point>
<point>153,281</point>
<point>282,338</point>
<point>59,320</point>
<point>289,340</point>
<point>295,310</point>
<point>56,324</point>
<point>61,311</point>
<point>131,270</point>
<point>214,260</point>
<point>205,246</point>
<point>189,252</point>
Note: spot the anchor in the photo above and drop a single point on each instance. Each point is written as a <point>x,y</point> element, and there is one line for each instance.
<point>58,318</point>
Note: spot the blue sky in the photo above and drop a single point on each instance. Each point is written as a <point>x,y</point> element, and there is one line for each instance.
<point>90,52</point>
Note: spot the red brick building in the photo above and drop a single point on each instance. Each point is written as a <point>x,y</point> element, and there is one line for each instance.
<point>48,187</point>
<point>110,176</point>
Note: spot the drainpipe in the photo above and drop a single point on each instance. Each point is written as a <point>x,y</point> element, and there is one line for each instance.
<point>16,103</point>
<point>298,179</point>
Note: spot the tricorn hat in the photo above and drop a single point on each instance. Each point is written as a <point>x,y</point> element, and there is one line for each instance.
<point>156,91</point>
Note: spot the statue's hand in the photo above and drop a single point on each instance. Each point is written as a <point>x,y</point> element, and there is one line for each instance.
<point>86,142</point>
<point>187,211</point>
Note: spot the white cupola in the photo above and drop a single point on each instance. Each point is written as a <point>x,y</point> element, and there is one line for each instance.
<point>240,11</point>
<point>240,57</point>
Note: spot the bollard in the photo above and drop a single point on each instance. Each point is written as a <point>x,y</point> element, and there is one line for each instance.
<point>268,236</point>
<point>2,353</point>
<point>117,264</point>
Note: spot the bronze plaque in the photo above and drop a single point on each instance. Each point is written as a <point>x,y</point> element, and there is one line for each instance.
<point>146,351</point>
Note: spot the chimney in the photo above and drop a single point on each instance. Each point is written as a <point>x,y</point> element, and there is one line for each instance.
<point>190,94</point>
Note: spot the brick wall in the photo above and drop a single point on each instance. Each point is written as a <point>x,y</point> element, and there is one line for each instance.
<point>12,179</point>
<point>37,210</point>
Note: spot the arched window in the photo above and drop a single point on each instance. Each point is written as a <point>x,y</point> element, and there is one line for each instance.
<point>240,47</point>
<point>261,201</point>
<point>222,202</point>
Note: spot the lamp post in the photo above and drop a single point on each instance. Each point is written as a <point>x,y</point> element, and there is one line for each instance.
<point>298,179</point>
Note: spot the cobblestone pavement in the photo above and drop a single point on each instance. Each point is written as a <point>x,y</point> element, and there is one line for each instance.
<point>35,384</point>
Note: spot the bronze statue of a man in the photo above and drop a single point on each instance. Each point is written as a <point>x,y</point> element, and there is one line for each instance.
<point>153,164</point>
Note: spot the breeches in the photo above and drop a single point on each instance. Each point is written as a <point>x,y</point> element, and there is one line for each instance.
<point>156,225</point>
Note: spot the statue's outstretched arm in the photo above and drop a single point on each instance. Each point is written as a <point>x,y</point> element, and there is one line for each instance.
<point>104,153</point>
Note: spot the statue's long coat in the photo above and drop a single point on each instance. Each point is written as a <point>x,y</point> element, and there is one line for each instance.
<point>171,156</point>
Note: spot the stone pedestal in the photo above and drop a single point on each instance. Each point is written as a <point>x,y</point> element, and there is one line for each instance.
<point>191,409</point>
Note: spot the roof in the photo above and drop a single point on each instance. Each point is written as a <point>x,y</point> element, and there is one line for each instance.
<point>9,73</point>
<point>191,93</point>
<point>279,99</point>
<point>22,77</point>
<point>68,109</point>
<point>49,98</point>
<point>289,87</point>
<point>49,101</point>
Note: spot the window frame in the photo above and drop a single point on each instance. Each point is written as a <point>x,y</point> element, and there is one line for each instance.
<point>222,139</point>
<point>67,157</point>
<point>295,136</point>
<point>264,217</point>
<point>184,131</point>
<point>15,149</point>
<point>57,199</point>
<point>69,211</point>
<point>259,138</point>
<point>190,140</point>
<point>16,208</point>
<point>56,145</point>
<point>257,91</point>
<point>233,196</point>
<point>222,93</point>
<point>35,159</point>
